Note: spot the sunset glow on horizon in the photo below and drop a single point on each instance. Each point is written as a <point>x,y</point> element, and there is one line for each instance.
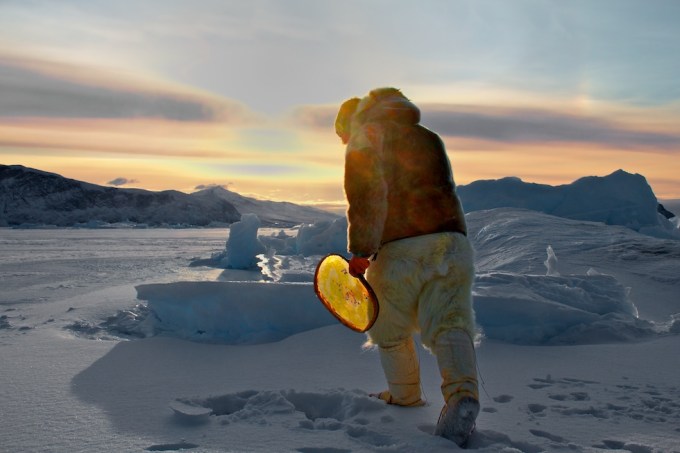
<point>164,95</point>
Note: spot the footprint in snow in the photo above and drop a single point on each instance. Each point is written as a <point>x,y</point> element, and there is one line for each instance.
<point>323,450</point>
<point>338,410</point>
<point>574,396</point>
<point>503,398</point>
<point>646,403</point>
<point>547,435</point>
<point>610,444</point>
<point>172,447</point>
<point>536,408</point>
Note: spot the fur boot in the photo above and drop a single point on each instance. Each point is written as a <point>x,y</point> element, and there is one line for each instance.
<point>402,371</point>
<point>458,367</point>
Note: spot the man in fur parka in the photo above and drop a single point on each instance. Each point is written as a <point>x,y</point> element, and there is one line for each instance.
<point>407,232</point>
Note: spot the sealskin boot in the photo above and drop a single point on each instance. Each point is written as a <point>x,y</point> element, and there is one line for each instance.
<point>402,371</point>
<point>458,367</point>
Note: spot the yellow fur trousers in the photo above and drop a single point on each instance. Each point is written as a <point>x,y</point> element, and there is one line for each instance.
<point>423,284</point>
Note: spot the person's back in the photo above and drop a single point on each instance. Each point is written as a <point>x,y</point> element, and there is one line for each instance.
<point>421,195</point>
<point>390,148</point>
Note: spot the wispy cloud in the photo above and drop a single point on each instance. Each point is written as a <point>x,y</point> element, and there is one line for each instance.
<point>39,88</point>
<point>516,125</point>
<point>120,181</point>
<point>533,126</point>
<point>139,136</point>
<point>321,117</point>
<point>210,186</point>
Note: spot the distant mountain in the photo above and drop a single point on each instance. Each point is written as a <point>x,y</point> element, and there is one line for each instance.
<point>620,198</point>
<point>30,196</point>
<point>270,212</point>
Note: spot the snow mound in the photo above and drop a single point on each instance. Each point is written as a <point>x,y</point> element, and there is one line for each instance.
<point>515,240</point>
<point>536,309</point>
<point>233,312</point>
<point>522,309</point>
<point>620,198</point>
<point>513,298</point>
<point>575,304</point>
<point>323,238</point>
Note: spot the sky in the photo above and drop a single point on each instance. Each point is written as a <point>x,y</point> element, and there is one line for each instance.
<point>180,94</point>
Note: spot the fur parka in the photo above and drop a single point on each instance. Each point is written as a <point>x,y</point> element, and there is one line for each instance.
<point>398,178</point>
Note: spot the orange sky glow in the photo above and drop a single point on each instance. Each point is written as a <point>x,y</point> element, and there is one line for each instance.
<point>167,110</point>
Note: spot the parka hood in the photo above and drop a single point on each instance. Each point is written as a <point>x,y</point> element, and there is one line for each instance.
<point>387,104</point>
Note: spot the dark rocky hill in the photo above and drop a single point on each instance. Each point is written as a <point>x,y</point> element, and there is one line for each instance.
<point>29,196</point>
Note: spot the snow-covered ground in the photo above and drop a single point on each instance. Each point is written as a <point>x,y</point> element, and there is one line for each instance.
<point>139,340</point>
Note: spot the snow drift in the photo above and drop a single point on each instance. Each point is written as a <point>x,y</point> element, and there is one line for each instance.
<point>519,295</point>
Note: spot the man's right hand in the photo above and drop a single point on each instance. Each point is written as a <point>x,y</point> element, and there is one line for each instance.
<point>358,265</point>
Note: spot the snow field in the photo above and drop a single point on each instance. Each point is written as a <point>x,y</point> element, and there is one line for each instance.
<point>268,370</point>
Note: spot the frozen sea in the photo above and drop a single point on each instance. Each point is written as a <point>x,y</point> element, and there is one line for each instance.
<point>87,367</point>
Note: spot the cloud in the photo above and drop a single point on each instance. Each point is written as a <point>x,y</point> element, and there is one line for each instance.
<point>136,136</point>
<point>121,181</point>
<point>210,186</point>
<point>38,88</point>
<point>519,125</point>
<point>512,126</point>
<point>321,117</point>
